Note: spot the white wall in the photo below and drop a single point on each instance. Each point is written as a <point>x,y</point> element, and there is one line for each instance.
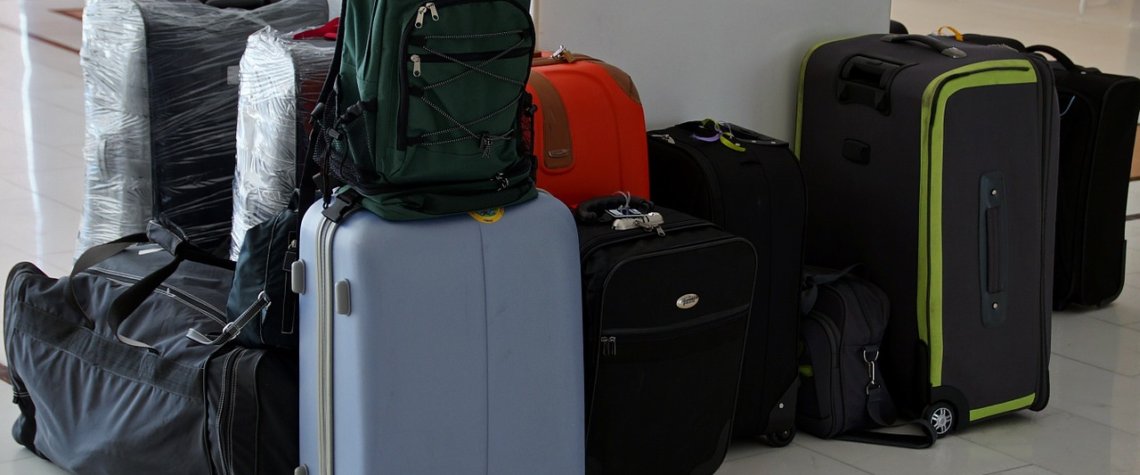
<point>735,60</point>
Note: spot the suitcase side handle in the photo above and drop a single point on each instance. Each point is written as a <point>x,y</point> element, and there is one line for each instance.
<point>945,48</point>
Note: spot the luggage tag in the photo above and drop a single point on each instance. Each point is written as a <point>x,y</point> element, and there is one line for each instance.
<point>626,218</point>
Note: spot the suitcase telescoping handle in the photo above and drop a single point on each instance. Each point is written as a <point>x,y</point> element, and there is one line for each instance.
<point>945,48</point>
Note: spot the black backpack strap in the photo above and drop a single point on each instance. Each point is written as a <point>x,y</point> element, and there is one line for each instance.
<point>306,187</point>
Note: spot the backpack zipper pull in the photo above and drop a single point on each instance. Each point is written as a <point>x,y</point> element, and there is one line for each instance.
<point>429,6</point>
<point>416,62</point>
<point>485,143</point>
<point>502,180</point>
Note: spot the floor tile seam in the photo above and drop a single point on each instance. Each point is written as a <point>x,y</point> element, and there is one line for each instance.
<point>1058,411</point>
<point>47,196</point>
<point>1113,371</point>
<point>999,472</point>
<point>826,456</point>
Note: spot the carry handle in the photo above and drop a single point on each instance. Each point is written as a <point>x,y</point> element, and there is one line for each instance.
<point>594,210</point>
<point>993,242</point>
<point>1061,58</point>
<point>943,47</point>
<point>867,81</point>
<point>130,300</point>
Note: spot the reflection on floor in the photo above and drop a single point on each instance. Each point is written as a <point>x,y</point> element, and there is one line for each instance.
<point>1092,425</point>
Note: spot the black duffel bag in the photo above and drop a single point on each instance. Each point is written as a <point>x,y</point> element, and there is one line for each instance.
<point>109,380</point>
<point>843,395</point>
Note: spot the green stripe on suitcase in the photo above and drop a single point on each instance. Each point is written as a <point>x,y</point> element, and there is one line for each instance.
<point>934,101</point>
<point>990,411</point>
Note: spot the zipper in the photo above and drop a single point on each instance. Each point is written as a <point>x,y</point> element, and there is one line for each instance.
<point>228,412</point>
<point>714,320</point>
<point>325,441</point>
<point>414,23</point>
<point>179,296</point>
<point>418,59</point>
<point>1046,260</point>
<point>838,409</point>
<point>623,236</point>
<point>664,332</point>
<point>182,293</point>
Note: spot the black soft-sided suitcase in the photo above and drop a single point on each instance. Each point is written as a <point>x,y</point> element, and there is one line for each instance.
<point>666,312</point>
<point>751,187</point>
<point>1098,132</point>
<point>934,163</point>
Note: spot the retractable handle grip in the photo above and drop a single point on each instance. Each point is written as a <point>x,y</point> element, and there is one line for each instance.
<point>945,48</point>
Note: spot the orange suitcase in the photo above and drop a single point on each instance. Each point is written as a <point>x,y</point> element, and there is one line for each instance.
<point>589,130</point>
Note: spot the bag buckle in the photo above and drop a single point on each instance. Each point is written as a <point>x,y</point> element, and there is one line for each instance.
<point>870,357</point>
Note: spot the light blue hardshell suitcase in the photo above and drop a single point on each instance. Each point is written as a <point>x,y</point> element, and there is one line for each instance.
<point>448,346</point>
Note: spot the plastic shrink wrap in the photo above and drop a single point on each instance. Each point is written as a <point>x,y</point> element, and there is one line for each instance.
<point>116,151</point>
<point>193,53</point>
<point>160,80</point>
<point>281,80</point>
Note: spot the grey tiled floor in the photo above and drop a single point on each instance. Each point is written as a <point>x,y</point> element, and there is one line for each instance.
<point>1092,425</point>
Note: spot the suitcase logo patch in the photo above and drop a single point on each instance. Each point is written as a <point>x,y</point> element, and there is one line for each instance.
<point>688,301</point>
<point>487,216</point>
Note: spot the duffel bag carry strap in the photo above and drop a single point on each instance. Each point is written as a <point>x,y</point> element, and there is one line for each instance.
<point>882,412</point>
<point>130,300</point>
<point>906,441</point>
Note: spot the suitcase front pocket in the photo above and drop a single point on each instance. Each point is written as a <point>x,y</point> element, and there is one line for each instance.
<point>677,382</point>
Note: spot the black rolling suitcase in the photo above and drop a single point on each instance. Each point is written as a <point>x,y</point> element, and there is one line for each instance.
<point>666,304</point>
<point>1098,133</point>
<point>751,186</point>
<point>934,163</point>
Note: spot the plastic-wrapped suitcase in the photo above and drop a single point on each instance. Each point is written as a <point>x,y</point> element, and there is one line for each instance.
<point>667,299</point>
<point>116,150</point>
<point>281,80</point>
<point>589,130</point>
<point>193,52</point>
<point>445,346</point>
<point>752,187</point>
<point>933,163</point>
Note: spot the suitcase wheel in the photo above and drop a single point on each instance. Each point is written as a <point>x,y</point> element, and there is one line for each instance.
<point>942,417</point>
<point>781,438</point>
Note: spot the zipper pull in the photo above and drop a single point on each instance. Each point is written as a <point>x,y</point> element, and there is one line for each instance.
<point>416,61</point>
<point>485,144</point>
<point>434,12</point>
<point>420,15</point>
<point>502,180</point>
<point>613,346</point>
<point>665,137</point>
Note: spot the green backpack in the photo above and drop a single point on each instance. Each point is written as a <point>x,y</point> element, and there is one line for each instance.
<point>424,117</point>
